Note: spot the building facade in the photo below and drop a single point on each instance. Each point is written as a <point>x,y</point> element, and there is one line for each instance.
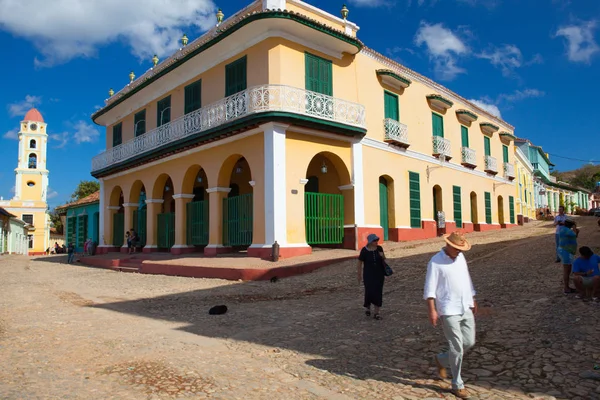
<point>81,221</point>
<point>526,195</point>
<point>13,234</point>
<point>31,182</point>
<point>280,125</point>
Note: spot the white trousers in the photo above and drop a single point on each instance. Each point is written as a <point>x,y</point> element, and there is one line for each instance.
<point>460,333</point>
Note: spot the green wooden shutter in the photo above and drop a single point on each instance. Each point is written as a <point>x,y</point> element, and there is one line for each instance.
<point>391,106</point>
<point>415,199</point>
<point>488,208</point>
<point>486,146</point>
<point>72,231</point>
<point>511,208</point>
<point>139,123</point>
<point>163,111</point>
<point>383,208</point>
<point>464,134</point>
<point>117,134</point>
<point>193,93</point>
<point>318,74</point>
<point>235,76</point>
<point>505,153</point>
<point>82,230</point>
<point>438,124</point>
<point>457,206</point>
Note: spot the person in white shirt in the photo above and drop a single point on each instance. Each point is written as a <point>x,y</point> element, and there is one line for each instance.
<point>450,298</point>
<point>559,220</point>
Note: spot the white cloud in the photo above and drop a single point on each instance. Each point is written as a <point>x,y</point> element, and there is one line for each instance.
<point>491,108</point>
<point>19,108</point>
<point>51,194</point>
<point>443,47</point>
<point>518,95</point>
<point>66,29</point>
<point>85,132</point>
<point>581,45</point>
<point>61,138</point>
<point>507,58</point>
<point>12,134</point>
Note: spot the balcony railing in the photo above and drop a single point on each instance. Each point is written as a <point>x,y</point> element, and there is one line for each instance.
<point>468,157</point>
<point>395,132</point>
<point>491,165</point>
<point>441,147</point>
<point>509,171</point>
<point>258,99</point>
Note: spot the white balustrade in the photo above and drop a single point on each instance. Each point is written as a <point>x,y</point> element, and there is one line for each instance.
<point>469,156</point>
<point>441,146</point>
<point>509,171</point>
<point>258,99</point>
<point>395,132</point>
<point>491,165</point>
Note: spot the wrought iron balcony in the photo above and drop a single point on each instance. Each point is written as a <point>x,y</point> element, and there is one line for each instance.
<point>395,132</point>
<point>509,171</point>
<point>255,100</point>
<point>491,165</point>
<point>468,157</point>
<point>441,147</point>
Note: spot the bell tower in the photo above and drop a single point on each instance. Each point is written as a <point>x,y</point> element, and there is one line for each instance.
<point>31,183</point>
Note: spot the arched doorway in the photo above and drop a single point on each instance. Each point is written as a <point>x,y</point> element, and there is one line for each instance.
<point>386,205</point>
<point>195,182</point>
<point>165,222</point>
<point>474,214</point>
<point>438,208</point>
<point>140,213</point>
<point>500,210</point>
<point>238,209</point>
<point>324,202</point>
<point>118,217</point>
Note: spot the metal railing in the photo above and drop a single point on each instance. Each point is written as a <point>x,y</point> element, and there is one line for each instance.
<point>258,99</point>
<point>441,146</point>
<point>468,156</point>
<point>491,165</point>
<point>395,131</point>
<point>509,170</point>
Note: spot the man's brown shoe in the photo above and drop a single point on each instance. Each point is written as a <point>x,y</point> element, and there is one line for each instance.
<point>461,393</point>
<point>441,370</point>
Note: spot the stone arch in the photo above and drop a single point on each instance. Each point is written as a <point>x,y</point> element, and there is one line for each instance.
<point>328,160</point>
<point>32,161</point>
<point>236,170</point>
<point>116,197</point>
<point>138,189</point>
<point>438,201</point>
<point>32,144</point>
<point>195,181</point>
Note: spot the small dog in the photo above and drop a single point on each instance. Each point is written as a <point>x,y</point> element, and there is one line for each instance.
<point>218,310</point>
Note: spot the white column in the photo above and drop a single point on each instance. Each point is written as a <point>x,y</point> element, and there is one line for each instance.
<point>358,180</point>
<point>101,216</point>
<point>275,184</point>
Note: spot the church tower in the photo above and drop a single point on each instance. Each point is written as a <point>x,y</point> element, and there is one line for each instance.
<point>31,182</point>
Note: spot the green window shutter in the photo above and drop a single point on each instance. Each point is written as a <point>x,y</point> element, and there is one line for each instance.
<point>139,123</point>
<point>511,208</point>
<point>82,230</point>
<point>438,124</point>
<point>486,146</point>
<point>117,134</point>
<point>391,106</point>
<point>71,231</point>
<point>457,206</point>
<point>193,93</point>
<point>415,199</point>
<point>318,74</point>
<point>505,153</point>
<point>163,111</point>
<point>488,208</point>
<point>464,134</point>
<point>235,76</point>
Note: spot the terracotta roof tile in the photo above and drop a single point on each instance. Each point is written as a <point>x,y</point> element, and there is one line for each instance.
<point>33,115</point>
<point>92,198</point>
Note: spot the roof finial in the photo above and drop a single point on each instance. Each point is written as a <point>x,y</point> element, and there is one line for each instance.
<point>220,16</point>
<point>345,12</point>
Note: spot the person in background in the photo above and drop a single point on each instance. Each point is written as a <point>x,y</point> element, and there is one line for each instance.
<point>371,272</point>
<point>586,274</point>
<point>567,248</point>
<point>71,253</point>
<point>559,220</point>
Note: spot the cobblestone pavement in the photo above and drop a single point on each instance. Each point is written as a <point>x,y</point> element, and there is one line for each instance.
<point>72,332</point>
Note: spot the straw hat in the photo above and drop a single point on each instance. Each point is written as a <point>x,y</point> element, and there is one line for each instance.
<point>458,241</point>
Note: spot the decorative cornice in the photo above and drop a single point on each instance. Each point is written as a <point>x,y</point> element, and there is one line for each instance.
<point>346,187</point>
<point>155,201</point>
<point>507,136</point>
<point>466,116</point>
<point>218,189</point>
<point>400,81</point>
<point>488,128</point>
<point>439,101</point>
<point>131,205</point>
<point>415,76</point>
<point>303,181</point>
<point>183,196</point>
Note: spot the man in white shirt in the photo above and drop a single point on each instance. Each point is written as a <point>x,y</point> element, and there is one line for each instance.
<point>451,298</point>
<point>558,221</point>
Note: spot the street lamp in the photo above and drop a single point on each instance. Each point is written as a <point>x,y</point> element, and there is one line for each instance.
<point>135,132</point>
<point>161,115</point>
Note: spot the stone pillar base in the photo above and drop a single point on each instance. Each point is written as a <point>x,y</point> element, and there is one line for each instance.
<point>214,250</point>
<point>285,251</point>
<point>486,227</point>
<point>468,227</point>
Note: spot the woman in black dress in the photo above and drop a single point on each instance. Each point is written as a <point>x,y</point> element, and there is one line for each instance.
<point>371,271</point>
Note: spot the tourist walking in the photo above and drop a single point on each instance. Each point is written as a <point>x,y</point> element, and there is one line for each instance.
<point>450,297</point>
<point>71,253</point>
<point>559,220</point>
<point>371,272</point>
<point>567,248</point>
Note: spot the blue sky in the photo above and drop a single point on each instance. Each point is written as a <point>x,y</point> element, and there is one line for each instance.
<point>539,74</point>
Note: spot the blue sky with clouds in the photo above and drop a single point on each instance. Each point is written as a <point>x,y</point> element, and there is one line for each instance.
<point>534,62</point>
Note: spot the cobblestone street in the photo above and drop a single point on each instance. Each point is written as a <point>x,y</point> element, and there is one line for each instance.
<point>73,332</point>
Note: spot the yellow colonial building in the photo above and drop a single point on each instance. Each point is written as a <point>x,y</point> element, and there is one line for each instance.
<point>280,125</point>
<point>31,183</point>
<point>525,199</point>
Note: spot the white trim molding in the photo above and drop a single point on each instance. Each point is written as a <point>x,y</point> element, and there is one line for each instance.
<point>181,246</point>
<point>183,196</point>
<point>101,217</point>
<point>154,201</point>
<point>252,183</point>
<point>275,183</point>
<point>358,183</point>
<point>131,205</point>
<point>218,189</point>
<point>346,187</point>
<point>303,181</point>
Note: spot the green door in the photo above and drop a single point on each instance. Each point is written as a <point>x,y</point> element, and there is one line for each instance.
<point>383,208</point>
<point>511,208</point>
<point>457,206</point>
<point>505,153</point>
<point>438,124</point>
<point>118,229</point>
<point>391,106</point>
<point>72,231</point>
<point>139,224</point>
<point>237,220</point>
<point>464,136</point>
<point>166,230</point>
<point>96,236</point>
<point>414,188</point>
<point>197,223</point>
<point>488,208</point>
<point>486,146</point>
<point>324,214</point>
